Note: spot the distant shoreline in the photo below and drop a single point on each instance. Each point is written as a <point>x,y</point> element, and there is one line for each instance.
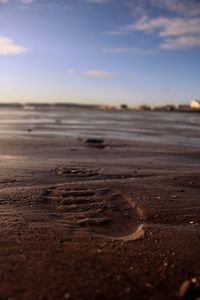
<point>123,107</point>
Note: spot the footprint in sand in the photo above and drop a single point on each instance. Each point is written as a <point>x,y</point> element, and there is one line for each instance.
<point>98,211</point>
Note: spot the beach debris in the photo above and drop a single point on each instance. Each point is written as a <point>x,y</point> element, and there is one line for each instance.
<point>190,289</point>
<point>67,295</point>
<point>96,142</point>
<point>165,264</point>
<point>148,285</point>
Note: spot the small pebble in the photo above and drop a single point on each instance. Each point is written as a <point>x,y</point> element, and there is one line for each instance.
<point>190,289</point>
<point>67,296</point>
<point>148,285</point>
<point>165,264</point>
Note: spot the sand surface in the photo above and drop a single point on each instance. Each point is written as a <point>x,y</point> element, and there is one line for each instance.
<point>112,218</point>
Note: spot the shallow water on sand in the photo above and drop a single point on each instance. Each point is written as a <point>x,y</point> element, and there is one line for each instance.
<point>157,127</point>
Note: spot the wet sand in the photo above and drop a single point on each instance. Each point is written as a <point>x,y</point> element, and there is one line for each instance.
<point>98,204</point>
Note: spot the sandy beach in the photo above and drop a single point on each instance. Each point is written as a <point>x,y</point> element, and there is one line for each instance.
<point>98,204</point>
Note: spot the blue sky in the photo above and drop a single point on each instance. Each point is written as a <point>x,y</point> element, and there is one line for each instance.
<point>100,51</point>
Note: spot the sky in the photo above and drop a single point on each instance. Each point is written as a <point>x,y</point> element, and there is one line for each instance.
<point>100,51</point>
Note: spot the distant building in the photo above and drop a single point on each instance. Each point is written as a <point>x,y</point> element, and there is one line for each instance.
<point>145,107</point>
<point>184,106</point>
<point>124,106</point>
<point>195,104</point>
<point>11,105</point>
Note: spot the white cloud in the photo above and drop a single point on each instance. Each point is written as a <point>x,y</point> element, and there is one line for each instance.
<point>168,26</point>
<point>178,25</point>
<point>98,74</point>
<point>3,1</point>
<point>180,7</point>
<point>8,47</point>
<point>175,7</point>
<point>181,42</point>
<point>177,32</point>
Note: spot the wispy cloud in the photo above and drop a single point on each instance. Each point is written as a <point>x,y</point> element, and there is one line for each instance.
<point>180,7</point>
<point>175,7</point>
<point>182,42</point>
<point>167,26</point>
<point>178,25</point>
<point>129,50</point>
<point>178,32</point>
<point>92,73</point>
<point>98,74</point>
<point>9,47</point>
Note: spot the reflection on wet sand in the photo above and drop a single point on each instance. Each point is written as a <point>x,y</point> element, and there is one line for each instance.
<point>158,127</point>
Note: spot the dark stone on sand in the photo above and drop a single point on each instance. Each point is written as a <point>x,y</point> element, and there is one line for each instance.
<point>190,289</point>
<point>97,143</point>
<point>94,141</point>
